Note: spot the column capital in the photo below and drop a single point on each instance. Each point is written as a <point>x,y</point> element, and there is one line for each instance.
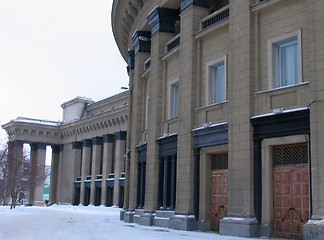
<point>120,135</point>
<point>38,146</point>
<point>162,20</point>
<point>86,143</point>
<point>77,145</point>
<point>18,143</point>
<point>97,140</point>
<point>184,4</point>
<point>108,138</point>
<point>55,148</point>
<point>141,41</point>
<point>130,60</point>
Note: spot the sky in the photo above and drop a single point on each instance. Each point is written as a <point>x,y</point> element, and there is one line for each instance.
<point>53,51</point>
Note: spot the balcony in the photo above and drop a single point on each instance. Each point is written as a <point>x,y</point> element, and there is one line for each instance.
<point>216,17</point>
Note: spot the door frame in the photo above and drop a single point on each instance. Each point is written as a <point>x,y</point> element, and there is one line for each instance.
<point>204,189</point>
<point>267,175</point>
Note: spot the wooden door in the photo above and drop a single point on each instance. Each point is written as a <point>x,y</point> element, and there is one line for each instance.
<point>291,200</point>
<point>218,194</point>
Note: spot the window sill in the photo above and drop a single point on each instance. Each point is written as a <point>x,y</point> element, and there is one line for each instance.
<point>220,104</point>
<point>280,88</point>
<point>264,4</point>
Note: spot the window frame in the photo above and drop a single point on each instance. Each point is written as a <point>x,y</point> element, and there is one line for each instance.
<point>173,112</point>
<point>273,44</point>
<point>209,80</point>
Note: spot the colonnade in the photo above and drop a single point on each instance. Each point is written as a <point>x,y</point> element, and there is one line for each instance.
<point>85,172</point>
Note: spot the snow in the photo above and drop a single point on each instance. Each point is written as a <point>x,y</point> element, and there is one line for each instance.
<point>79,222</point>
<point>37,121</point>
<point>283,111</point>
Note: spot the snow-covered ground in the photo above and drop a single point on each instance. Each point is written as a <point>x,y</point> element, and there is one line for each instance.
<point>79,222</point>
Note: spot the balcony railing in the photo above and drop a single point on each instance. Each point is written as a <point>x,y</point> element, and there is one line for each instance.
<point>173,44</point>
<point>216,17</point>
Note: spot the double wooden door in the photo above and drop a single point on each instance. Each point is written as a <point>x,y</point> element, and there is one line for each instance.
<point>291,200</point>
<point>218,193</point>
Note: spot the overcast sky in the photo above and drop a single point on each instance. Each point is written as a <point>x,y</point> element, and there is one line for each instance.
<point>54,50</point>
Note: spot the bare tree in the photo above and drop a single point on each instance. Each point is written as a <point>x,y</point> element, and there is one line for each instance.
<point>18,173</point>
<point>3,157</point>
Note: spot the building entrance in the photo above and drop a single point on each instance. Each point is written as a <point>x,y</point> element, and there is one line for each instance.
<point>218,189</point>
<point>290,190</point>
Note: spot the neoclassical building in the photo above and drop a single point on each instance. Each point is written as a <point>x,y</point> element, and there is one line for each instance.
<point>88,151</point>
<point>225,115</point>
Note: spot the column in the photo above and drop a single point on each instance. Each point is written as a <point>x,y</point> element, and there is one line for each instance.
<point>162,23</point>
<point>107,158</point>
<point>76,160</point>
<point>59,178</point>
<point>191,13</point>
<point>85,165</point>
<point>95,169</point>
<point>128,173</point>
<point>54,173</point>
<point>40,172</point>
<point>173,181</point>
<point>141,54</point>
<point>15,167</point>
<point>240,130</point>
<point>119,162</point>
<point>32,173</point>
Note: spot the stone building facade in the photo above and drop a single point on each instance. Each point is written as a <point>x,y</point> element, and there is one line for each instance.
<point>88,151</point>
<point>225,115</point>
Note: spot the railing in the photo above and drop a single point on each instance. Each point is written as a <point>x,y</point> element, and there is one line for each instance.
<point>173,44</point>
<point>216,17</point>
<point>147,64</point>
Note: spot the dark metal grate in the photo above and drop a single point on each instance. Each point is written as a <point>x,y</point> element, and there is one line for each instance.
<point>290,154</point>
<point>173,44</point>
<point>215,19</point>
<point>147,64</point>
<point>219,161</point>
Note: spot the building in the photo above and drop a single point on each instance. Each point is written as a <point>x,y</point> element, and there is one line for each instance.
<point>88,151</point>
<point>225,115</point>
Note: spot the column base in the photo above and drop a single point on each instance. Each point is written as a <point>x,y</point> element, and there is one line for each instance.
<point>129,216</point>
<point>138,214</point>
<point>147,219</point>
<point>162,218</point>
<point>122,214</point>
<point>183,222</point>
<point>240,227</point>
<point>314,230</point>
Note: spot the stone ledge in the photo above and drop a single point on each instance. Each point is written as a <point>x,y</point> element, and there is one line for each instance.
<point>241,227</point>
<point>314,230</point>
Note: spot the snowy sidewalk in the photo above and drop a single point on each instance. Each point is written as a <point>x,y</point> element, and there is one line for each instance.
<point>78,223</point>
